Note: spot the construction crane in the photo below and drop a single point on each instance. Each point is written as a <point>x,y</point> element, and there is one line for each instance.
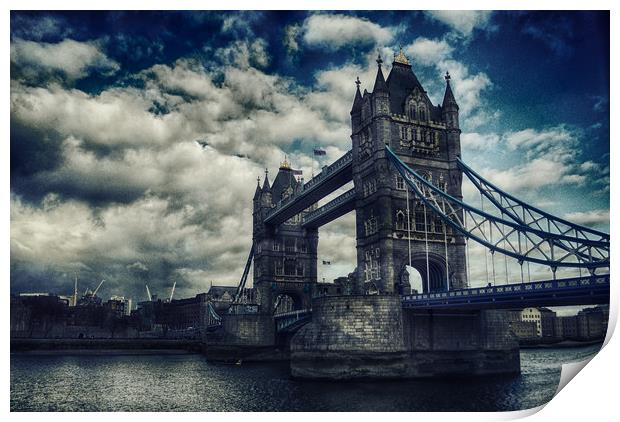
<point>148,293</point>
<point>97,289</point>
<point>172,291</point>
<point>75,292</point>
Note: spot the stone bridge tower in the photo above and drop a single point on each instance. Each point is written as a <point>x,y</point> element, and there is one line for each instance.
<point>399,113</point>
<point>285,255</point>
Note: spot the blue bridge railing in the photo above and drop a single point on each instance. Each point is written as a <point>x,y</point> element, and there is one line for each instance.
<point>588,290</point>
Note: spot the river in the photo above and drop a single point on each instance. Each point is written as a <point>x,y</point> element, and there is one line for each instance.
<point>187,382</point>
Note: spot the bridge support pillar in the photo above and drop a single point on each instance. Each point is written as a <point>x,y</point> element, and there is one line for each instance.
<point>351,337</point>
<point>373,337</point>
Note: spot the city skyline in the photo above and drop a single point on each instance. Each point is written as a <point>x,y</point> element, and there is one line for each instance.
<point>109,178</point>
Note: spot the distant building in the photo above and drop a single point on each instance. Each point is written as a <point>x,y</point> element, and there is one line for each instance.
<point>592,323</point>
<point>532,315</point>
<point>37,315</point>
<point>569,327</point>
<point>221,296</point>
<point>547,323</point>
<point>183,314</point>
<point>330,289</point>
<point>119,306</point>
<point>524,330</point>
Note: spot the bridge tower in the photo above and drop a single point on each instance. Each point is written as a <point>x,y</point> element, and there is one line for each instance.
<point>399,113</point>
<point>285,255</point>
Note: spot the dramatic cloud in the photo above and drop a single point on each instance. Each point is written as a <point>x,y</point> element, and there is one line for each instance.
<point>548,157</point>
<point>463,21</point>
<point>479,141</point>
<point>71,58</point>
<point>335,31</point>
<point>589,218</point>
<point>245,54</point>
<point>128,158</point>
<point>429,52</point>
<point>134,155</point>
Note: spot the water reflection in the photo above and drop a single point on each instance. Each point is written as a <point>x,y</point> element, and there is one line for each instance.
<point>190,383</point>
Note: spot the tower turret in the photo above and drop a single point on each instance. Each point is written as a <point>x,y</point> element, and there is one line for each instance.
<point>356,110</point>
<point>450,109</point>
<point>380,92</point>
<point>266,191</point>
<point>450,115</point>
<point>258,191</point>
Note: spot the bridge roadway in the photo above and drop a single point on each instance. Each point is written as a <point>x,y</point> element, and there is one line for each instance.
<point>589,290</point>
<point>331,178</point>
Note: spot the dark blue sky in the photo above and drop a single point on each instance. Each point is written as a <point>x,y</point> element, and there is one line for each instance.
<point>106,106</point>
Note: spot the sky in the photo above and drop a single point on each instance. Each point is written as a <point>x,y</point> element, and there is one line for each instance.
<point>137,137</point>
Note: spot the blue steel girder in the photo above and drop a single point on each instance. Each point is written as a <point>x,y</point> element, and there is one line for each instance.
<point>524,213</point>
<point>331,178</point>
<point>334,209</point>
<point>588,290</point>
<point>294,319</point>
<point>524,242</point>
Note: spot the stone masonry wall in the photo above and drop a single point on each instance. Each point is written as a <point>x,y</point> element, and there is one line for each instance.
<point>351,337</point>
<point>353,323</point>
<point>251,330</point>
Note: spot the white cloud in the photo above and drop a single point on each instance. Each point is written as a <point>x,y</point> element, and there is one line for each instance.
<point>151,168</point>
<point>335,31</point>
<point>429,52</point>
<point>589,218</point>
<point>72,58</point>
<point>479,141</point>
<point>546,157</point>
<point>463,21</point>
<point>245,53</point>
<point>291,35</point>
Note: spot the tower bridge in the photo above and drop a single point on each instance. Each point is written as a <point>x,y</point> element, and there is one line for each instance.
<point>407,173</point>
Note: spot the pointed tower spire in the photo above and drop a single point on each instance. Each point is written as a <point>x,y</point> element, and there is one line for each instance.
<point>380,85</point>
<point>449,107</point>
<point>258,191</point>
<point>357,102</point>
<point>266,183</point>
<point>448,98</point>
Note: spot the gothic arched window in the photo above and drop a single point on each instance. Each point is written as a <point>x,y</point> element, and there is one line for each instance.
<point>412,111</point>
<point>419,218</point>
<point>422,113</point>
<point>400,220</point>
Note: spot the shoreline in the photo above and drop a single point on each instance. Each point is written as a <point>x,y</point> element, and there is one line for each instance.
<point>566,344</point>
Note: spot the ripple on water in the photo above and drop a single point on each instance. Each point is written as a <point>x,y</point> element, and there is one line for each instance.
<point>190,383</point>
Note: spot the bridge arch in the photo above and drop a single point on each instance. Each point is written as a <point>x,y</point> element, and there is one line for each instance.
<point>287,302</point>
<point>436,271</point>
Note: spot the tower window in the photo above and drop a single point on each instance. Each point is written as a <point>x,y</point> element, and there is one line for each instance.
<point>278,267</point>
<point>412,111</point>
<point>290,267</point>
<point>419,218</point>
<point>400,220</point>
<point>400,182</point>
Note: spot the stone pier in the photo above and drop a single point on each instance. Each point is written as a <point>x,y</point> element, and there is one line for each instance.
<point>372,337</point>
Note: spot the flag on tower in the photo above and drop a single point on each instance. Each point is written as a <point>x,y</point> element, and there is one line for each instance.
<point>318,151</point>
<point>327,263</point>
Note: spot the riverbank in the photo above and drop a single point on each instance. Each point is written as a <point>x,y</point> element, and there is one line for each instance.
<point>566,344</point>
<point>105,346</point>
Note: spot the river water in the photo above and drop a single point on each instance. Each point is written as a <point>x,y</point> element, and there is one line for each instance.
<point>190,383</point>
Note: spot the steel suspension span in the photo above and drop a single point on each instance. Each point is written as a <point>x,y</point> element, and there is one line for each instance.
<point>244,276</point>
<point>521,231</point>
